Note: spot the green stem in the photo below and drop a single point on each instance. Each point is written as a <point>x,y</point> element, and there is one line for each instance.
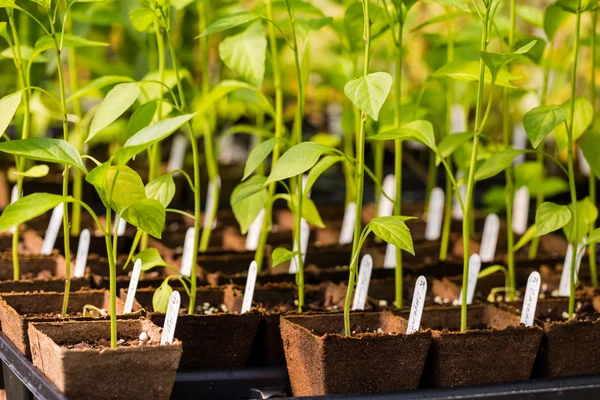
<point>592,178</point>
<point>112,266</point>
<point>398,156</point>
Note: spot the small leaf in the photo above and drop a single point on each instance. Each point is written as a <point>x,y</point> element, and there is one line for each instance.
<point>37,171</point>
<point>309,211</point>
<point>281,255</point>
<point>47,42</point>
<point>554,18</point>
<point>228,22</point>
<point>148,215</point>
<point>117,101</point>
<point>297,160</point>
<point>160,299</point>
<point>451,142</point>
<point>593,237</point>
<point>368,93</point>
<point>551,217</point>
<point>161,189</point>
<point>97,177</point>
<point>123,188</point>
<point>462,5</point>
<point>496,61</point>
<point>497,163</point>
<point>141,118</point>
<point>584,112</point>
<point>394,231</point>
<point>27,208</point>
<point>45,149</point>
<point>258,154</point>
<point>527,237</point>
<point>8,107</point>
<point>468,71</point>
<point>420,131</point>
<point>318,169</point>
<point>492,270</point>
<point>590,145</point>
<point>587,213</point>
<point>245,53</point>
<point>542,120</point>
<point>151,258</point>
<point>141,18</point>
<point>98,84</point>
<point>247,199</point>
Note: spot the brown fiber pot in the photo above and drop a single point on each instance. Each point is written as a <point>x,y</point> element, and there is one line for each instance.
<point>134,372</point>
<point>320,361</point>
<point>495,349</point>
<point>17,310</point>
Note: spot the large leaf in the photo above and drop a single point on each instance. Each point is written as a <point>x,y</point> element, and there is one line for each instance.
<point>98,84</point>
<point>419,131</point>
<point>394,231</point>
<point>590,145</point>
<point>319,168</point>
<point>247,199</point>
<point>584,112</point>
<point>245,53</point>
<point>8,107</point>
<point>496,163</point>
<point>228,22</point>
<point>123,187</point>
<point>551,217</point>
<point>368,93</point>
<point>117,101</point>
<point>27,208</point>
<point>147,214</point>
<point>151,258</point>
<point>258,154</point>
<point>149,136</point>
<point>161,189</point>
<point>496,61</point>
<point>298,160</point>
<point>542,120</point>
<point>468,71</point>
<point>45,149</point>
<point>586,214</point>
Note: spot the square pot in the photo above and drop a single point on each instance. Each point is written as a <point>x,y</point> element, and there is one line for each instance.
<point>321,361</point>
<point>132,372</point>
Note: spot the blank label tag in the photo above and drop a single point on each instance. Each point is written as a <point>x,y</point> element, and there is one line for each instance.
<point>416,309</point>
<point>389,261</point>
<point>459,122</point>
<point>531,298</point>
<point>185,268</point>
<point>13,198</point>
<point>474,267</point>
<point>177,153</point>
<point>304,234</point>
<point>521,211</point>
<point>584,166</point>
<point>304,180</point>
<point>386,207</point>
<point>210,195</point>
<point>487,250</point>
<point>253,236</point>
<point>52,231</point>
<point>133,283</point>
<point>435,214</point>
<point>564,288</point>
<point>82,253</point>
<point>347,230</point>
<point>250,284</point>
<point>362,286</point>
<point>462,190</point>
<point>171,318</point>
<point>519,142</point>
<point>120,225</point>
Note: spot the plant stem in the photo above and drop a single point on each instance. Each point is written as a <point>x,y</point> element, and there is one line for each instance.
<point>471,177</point>
<point>268,216</point>
<point>398,154</point>
<point>112,265</point>
<point>360,172</point>
<point>570,165</point>
<point>592,177</point>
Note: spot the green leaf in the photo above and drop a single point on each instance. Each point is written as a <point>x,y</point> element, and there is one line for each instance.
<point>27,53</point>
<point>492,270</point>
<point>462,5</point>
<point>126,187</point>
<point>98,84</point>
<point>317,170</point>
<point>584,113</point>
<point>593,237</point>
<point>27,208</point>
<point>9,4</point>
<point>47,42</point>
<point>151,258</point>
<point>258,154</point>
<point>147,214</point>
<point>497,163</point>
<point>117,101</point>
<point>419,131</point>
<point>245,53</point>
<point>298,160</point>
<point>161,189</point>
<point>8,108</point>
<point>149,136</point>
<point>451,142</point>
<point>247,199</point>
<point>37,171</point>
<point>587,213</point>
<point>554,19</point>
<point>141,118</point>
<point>45,149</point>
<point>281,255</point>
<point>141,18</point>
<point>527,237</point>
<point>468,71</point>
<point>160,299</point>
<point>531,14</point>
<point>542,120</point>
<point>439,19</point>
<point>590,145</point>
<point>47,4</point>
<point>497,61</point>
<point>309,212</point>
<point>97,177</point>
<point>551,217</point>
<point>228,22</point>
<point>394,231</point>
<point>368,93</point>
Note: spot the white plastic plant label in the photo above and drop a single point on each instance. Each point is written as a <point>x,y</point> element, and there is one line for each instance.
<point>489,240</point>
<point>185,268</point>
<point>389,261</point>
<point>474,267</point>
<point>564,289</point>
<point>250,284</point>
<point>210,206</point>
<point>168,333</point>
<point>52,231</point>
<point>584,166</point>
<point>253,236</point>
<point>386,207</point>
<point>304,235</point>
<point>435,214</point>
<point>177,154</point>
<point>133,283</point>
<point>13,198</point>
<point>362,285</point>
<point>462,190</point>
<point>531,298</point>
<point>416,308</point>
<point>347,230</point>
<point>521,211</point>
<point>82,254</point>
<point>334,119</point>
<point>120,225</point>
<point>519,140</point>
<point>304,180</point>
<point>459,122</point>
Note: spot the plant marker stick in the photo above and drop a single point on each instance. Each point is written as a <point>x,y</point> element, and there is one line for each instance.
<point>462,189</point>
<point>171,318</point>
<point>389,261</point>
<point>347,230</point>
<point>489,240</point>
<point>177,153</point>
<point>474,267</point>
<point>304,235</point>
<point>416,309</point>
<point>82,253</point>
<point>435,214</point>
<point>210,194</point>
<point>120,224</point>
<point>250,284</point>
<point>362,286</point>
<point>584,166</point>
<point>253,235</point>
<point>519,142</point>
<point>186,257</point>
<point>531,298</point>
<point>521,211</point>
<point>459,122</point>
<point>14,196</point>
<point>564,289</point>
<point>386,207</point>
<point>133,283</point>
<point>52,231</point>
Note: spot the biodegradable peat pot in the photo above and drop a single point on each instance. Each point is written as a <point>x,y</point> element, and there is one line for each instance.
<point>495,349</point>
<point>33,266</point>
<point>321,361</point>
<point>17,310</point>
<point>132,372</point>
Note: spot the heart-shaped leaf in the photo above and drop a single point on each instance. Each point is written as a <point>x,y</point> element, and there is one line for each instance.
<point>368,93</point>
<point>542,120</point>
<point>281,255</point>
<point>551,217</point>
<point>298,160</point>
<point>161,189</point>
<point>497,163</point>
<point>394,231</point>
<point>147,215</point>
<point>245,53</point>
